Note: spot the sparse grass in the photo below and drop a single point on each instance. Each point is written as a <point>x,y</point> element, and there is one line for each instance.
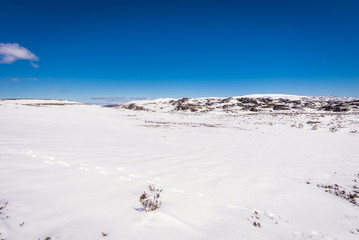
<point>3,205</point>
<point>151,200</point>
<point>313,122</point>
<point>333,129</point>
<point>297,125</point>
<point>255,216</point>
<point>256,224</point>
<point>351,196</point>
<point>270,105</point>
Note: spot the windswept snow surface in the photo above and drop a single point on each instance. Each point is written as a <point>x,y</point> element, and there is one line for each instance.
<point>73,171</point>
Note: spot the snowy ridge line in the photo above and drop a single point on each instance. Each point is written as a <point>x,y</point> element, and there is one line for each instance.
<point>300,97</point>
<point>253,103</point>
<point>29,101</point>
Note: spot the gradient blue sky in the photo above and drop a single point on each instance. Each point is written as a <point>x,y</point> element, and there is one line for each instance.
<point>104,49</point>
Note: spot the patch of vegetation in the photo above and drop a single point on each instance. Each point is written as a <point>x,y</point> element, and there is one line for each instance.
<point>297,125</point>
<point>313,122</point>
<point>270,105</point>
<point>352,196</point>
<point>315,127</point>
<point>3,205</point>
<point>333,129</point>
<point>257,224</point>
<point>133,106</point>
<point>151,200</point>
<point>255,216</point>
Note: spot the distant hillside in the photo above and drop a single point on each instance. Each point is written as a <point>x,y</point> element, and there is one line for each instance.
<point>247,103</point>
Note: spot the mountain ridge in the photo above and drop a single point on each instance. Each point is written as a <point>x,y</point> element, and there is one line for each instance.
<point>252,103</point>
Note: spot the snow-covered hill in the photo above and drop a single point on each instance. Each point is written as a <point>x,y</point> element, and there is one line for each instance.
<point>77,171</point>
<point>254,103</point>
<point>303,98</point>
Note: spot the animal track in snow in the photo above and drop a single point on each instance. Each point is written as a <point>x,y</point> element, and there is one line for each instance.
<point>83,169</point>
<point>201,195</point>
<point>101,170</point>
<point>124,179</point>
<point>311,235</point>
<point>48,157</point>
<point>177,190</point>
<point>63,163</point>
<point>134,175</point>
<point>237,207</point>
<point>31,154</point>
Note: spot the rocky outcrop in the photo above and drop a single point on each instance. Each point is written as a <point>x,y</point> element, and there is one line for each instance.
<point>245,104</point>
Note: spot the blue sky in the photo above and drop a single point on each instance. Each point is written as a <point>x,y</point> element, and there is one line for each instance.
<point>149,49</point>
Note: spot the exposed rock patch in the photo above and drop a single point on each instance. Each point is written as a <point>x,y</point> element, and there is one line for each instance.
<point>244,104</point>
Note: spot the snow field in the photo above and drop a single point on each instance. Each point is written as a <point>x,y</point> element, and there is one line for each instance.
<point>75,171</point>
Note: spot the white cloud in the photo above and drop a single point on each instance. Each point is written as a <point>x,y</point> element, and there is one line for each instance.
<point>119,99</point>
<point>11,52</point>
<point>34,65</point>
<point>15,80</point>
<point>31,79</point>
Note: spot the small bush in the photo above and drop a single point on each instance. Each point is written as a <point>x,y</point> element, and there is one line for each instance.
<point>151,200</point>
<point>313,122</point>
<point>333,129</point>
<point>297,125</point>
<point>315,127</point>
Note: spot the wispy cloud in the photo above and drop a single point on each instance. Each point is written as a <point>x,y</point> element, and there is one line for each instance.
<point>15,79</point>
<point>119,99</point>
<point>34,65</point>
<point>31,79</point>
<point>11,52</point>
<point>58,88</point>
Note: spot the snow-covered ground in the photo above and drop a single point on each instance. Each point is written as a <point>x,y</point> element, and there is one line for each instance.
<point>247,103</point>
<point>75,171</point>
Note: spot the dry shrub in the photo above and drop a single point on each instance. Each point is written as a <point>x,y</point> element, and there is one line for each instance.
<point>151,200</point>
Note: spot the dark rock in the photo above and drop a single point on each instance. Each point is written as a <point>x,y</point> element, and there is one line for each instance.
<point>182,100</point>
<point>190,107</point>
<point>296,102</point>
<point>226,100</point>
<point>112,105</point>
<point>282,100</point>
<point>340,109</point>
<point>133,106</point>
<point>247,100</point>
<point>328,108</point>
<point>280,107</point>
